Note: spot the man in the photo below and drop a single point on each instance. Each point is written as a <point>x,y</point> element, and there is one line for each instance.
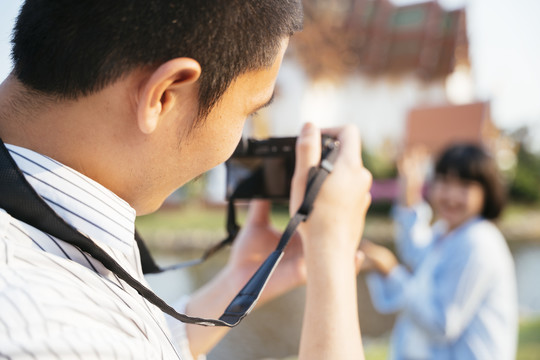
<point>110,107</point>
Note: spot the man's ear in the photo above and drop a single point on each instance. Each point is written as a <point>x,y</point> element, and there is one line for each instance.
<point>155,96</point>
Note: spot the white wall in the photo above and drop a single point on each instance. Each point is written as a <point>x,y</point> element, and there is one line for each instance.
<point>377,106</point>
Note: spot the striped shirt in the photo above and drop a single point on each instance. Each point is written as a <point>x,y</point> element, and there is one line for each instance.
<point>457,298</point>
<point>55,300</point>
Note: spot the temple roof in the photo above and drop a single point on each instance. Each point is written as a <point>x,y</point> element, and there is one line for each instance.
<point>376,38</point>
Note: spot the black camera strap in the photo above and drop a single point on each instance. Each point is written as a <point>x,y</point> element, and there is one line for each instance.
<point>150,267</point>
<point>22,202</point>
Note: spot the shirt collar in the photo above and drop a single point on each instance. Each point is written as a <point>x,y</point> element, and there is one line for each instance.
<point>458,231</point>
<point>83,203</point>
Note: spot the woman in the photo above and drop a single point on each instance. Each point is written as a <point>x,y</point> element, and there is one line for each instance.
<point>455,290</point>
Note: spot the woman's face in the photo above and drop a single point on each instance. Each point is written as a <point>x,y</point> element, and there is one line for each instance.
<point>456,200</point>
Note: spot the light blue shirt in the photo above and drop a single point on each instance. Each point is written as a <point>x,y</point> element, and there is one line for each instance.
<point>456,292</point>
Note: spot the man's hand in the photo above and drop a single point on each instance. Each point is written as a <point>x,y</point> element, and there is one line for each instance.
<point>257,239</point>
<point>326,255</point>
<point>412,168</point>
<point>339,210</point>
<point>330,238</point>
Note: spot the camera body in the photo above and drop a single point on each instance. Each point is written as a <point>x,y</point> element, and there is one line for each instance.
<point>264,168</point>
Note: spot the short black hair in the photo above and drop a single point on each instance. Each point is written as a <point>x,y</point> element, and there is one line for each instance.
<point>472,163</point>
<point>72,48</point>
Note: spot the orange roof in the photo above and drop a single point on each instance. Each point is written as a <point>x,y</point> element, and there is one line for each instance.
<point>379,38</point>
<point>437,127</point>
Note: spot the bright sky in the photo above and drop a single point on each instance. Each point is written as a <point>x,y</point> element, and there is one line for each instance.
<point>504,49</point>
<point>505,57</point>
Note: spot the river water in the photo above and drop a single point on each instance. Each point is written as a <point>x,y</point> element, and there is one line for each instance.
<point>527,260</point>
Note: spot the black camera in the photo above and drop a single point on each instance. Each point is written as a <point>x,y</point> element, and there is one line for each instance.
<point>264,168</point>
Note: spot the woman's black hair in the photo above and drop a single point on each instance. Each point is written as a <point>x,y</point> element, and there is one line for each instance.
<point>471,162</point>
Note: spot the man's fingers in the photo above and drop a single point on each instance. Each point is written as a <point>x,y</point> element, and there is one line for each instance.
<point>308,154</point>
<point>349,138</point>
<point>308,147</point>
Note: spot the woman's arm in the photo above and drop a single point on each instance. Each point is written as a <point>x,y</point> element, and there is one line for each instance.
<point>412,215</point>
<point>413,233</point>
<point>388,280</point>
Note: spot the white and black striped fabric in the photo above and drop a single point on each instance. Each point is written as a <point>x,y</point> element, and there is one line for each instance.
<point>56,301</point>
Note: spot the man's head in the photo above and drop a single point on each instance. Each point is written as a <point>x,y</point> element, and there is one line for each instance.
<point>142,95</point>
<point>72,48</point>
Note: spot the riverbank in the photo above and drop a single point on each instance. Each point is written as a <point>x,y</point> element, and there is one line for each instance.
<point>196,226</point>
<point>528,344</point>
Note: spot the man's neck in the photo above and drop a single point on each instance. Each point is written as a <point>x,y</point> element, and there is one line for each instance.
<point>23,112</point>
<point>77,133</point>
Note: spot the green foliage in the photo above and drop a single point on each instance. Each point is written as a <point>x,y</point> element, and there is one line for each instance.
<point>525,186</point>
<point>380,166</point>
<point>380,208</point>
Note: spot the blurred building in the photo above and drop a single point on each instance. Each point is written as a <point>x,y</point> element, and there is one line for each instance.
<point>379,38</point>
<point>400,73</point>
<point>437,127</point>
<point>368,62</point>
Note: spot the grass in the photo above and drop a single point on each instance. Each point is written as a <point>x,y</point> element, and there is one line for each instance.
<point>377,350</point>
<point>529,340</point>
<point>197,216</point>
<point>519,222</point>
<point>528,344</point>
<point>184,218</point>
